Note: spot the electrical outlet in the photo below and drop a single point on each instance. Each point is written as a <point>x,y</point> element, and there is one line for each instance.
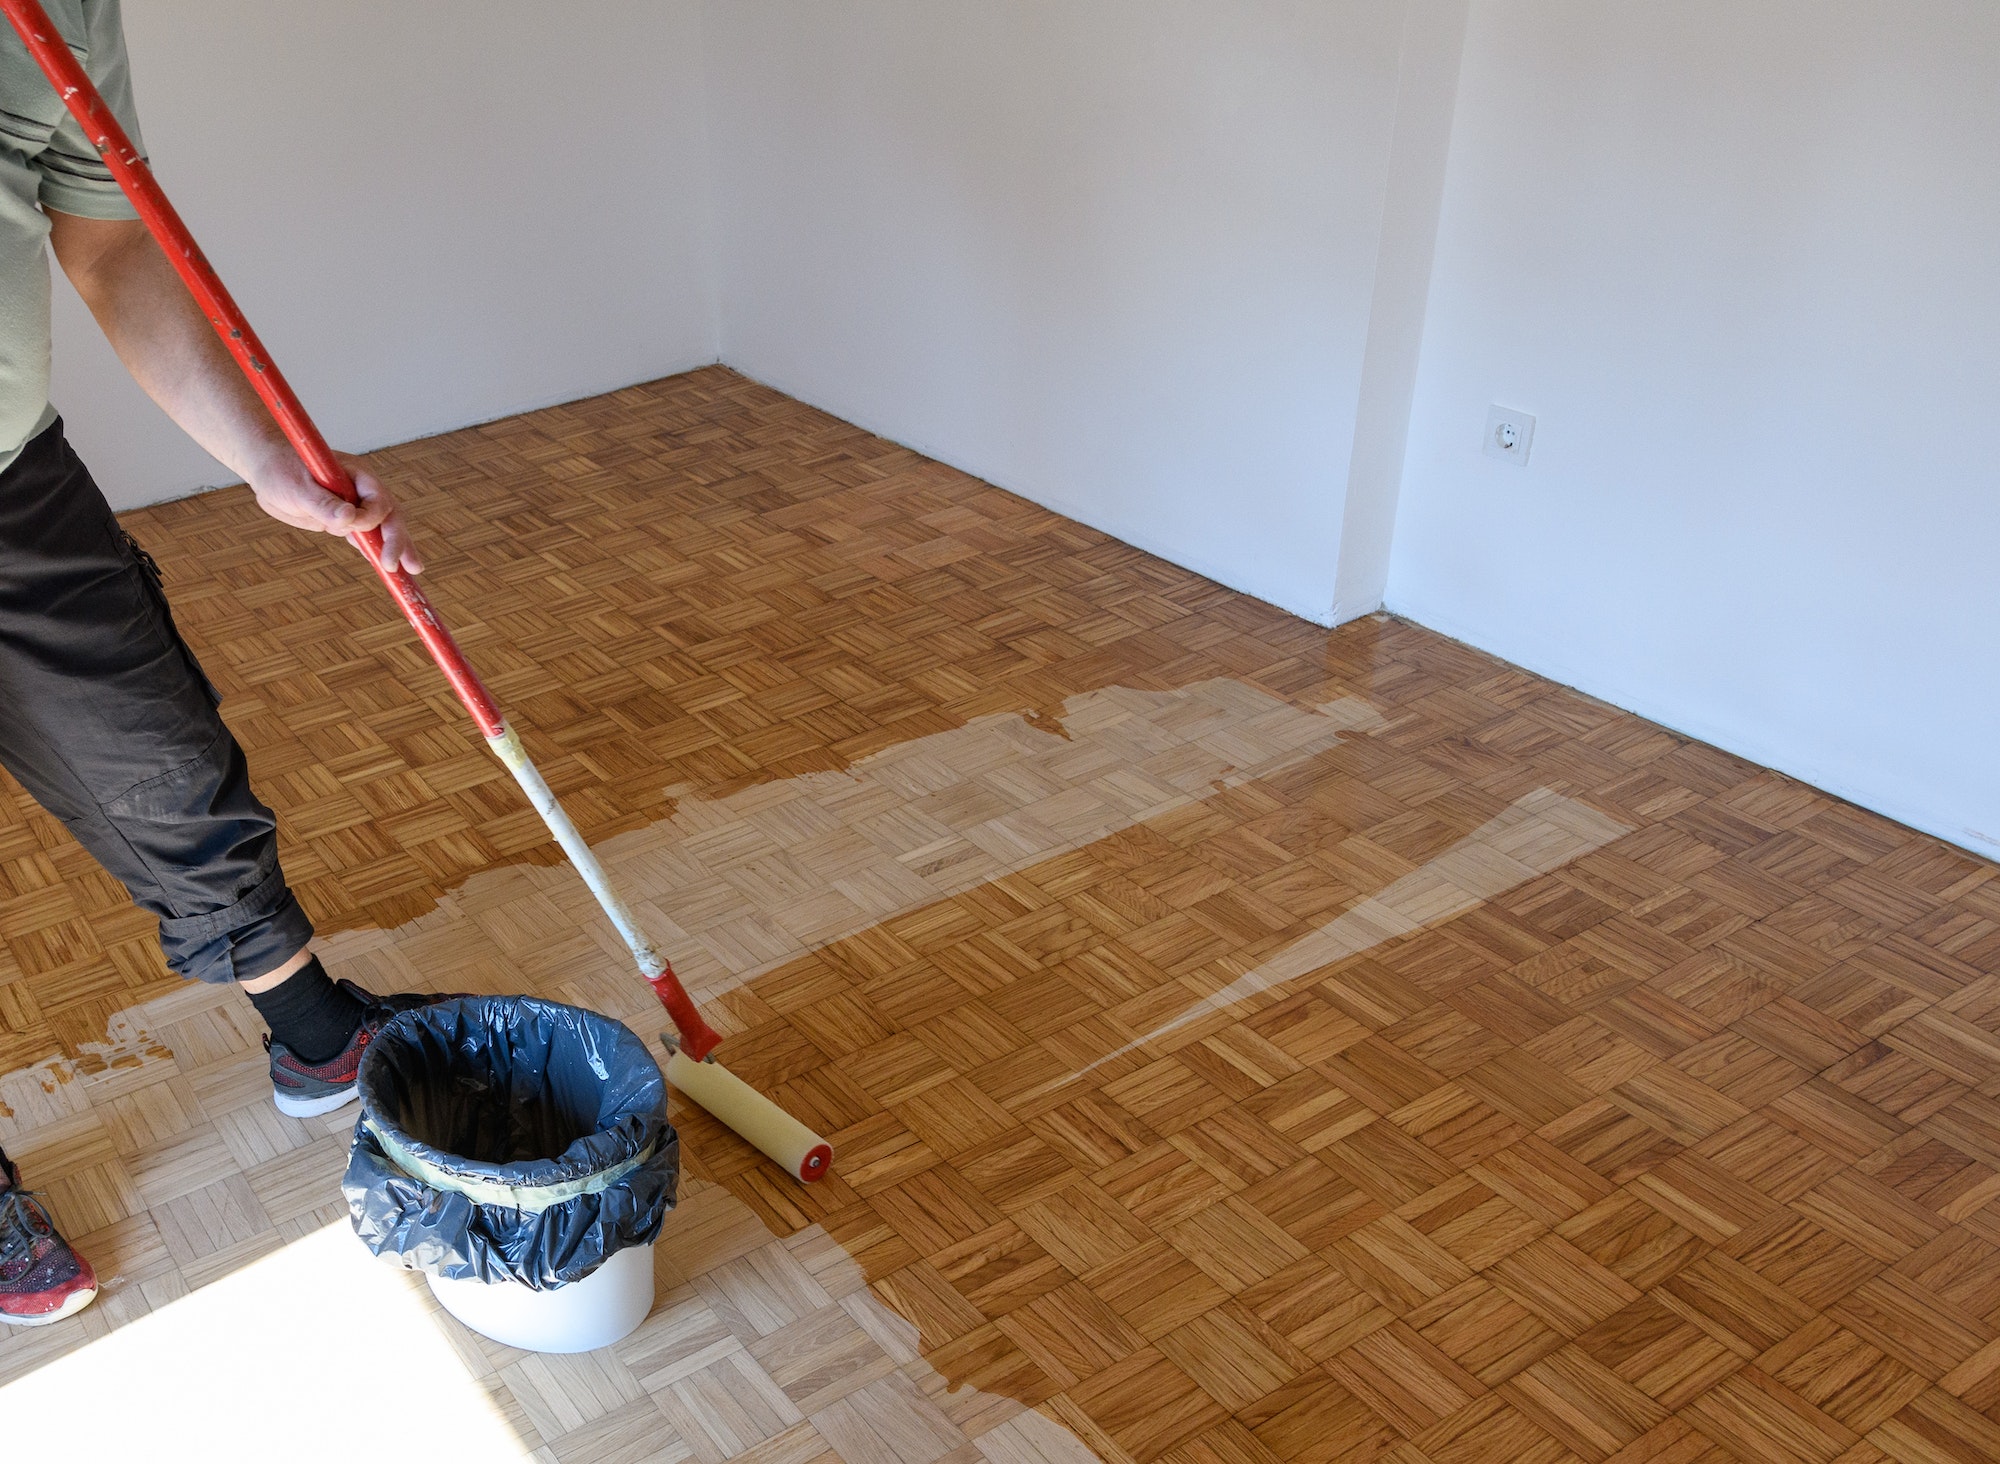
<point>1508,435</point>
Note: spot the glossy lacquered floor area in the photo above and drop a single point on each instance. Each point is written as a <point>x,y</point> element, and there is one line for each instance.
<point>1242,1042</point>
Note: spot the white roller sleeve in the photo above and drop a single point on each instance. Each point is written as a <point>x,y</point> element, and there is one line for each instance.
<point>765,1126</point>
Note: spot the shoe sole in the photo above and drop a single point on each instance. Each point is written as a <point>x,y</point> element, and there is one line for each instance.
<point>314,1107</point>
<point>69,1308</point>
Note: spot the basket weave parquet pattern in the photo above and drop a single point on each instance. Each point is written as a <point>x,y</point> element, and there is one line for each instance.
<point>1242,1042</point>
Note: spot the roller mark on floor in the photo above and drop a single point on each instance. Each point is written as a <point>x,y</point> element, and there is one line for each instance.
<point>1538,833</point>
<point>738,886</point>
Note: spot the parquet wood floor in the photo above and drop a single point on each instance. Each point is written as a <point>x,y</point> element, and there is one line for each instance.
<point>1243,1042</point>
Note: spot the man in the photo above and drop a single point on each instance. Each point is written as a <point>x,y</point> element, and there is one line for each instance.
<point>105,716</point>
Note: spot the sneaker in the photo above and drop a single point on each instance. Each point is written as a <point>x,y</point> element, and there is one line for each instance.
<point>304,1089</point>
<point>41,1279</point>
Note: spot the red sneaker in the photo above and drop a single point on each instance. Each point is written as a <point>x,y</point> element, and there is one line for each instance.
<point>41,1279</point>
<point>304,1089</point>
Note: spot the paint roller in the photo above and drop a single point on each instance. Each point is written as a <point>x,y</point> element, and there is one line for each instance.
<point>691,1067</point>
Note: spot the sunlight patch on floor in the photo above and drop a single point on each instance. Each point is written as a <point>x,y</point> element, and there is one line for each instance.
<point>316,1350</point>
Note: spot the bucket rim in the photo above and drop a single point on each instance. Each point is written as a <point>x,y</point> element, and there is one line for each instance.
<point>586,1166</point>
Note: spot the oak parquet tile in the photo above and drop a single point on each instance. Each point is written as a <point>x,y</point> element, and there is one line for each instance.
<point>1309,1110</point>
<point>1405,1379</point>
<point>1485,1330</point>
<point>917,1293</point>
<point>1740,1069</point>
<point>1317,1421</point>
<point>1976,1381</point>
<point>1676,1103</point>
<point>1922,1332</point>
<point>1234,1243</point>
<point>1227,1443</point>
<point>1869,1213</point>
<point>1470,1221</point>
<point>1659,1352</point>
<point>1397,1264</point>
<point>1937,1426</point>
<point>1000,1269</point>
<point>1610,1140</point>
<point>1654,1021</point>
<point>1968,1126</point>
<point>1148,1405</point>
<point>1542,1180</point>
<point>1457,1126</point>
<point>1489,1428</point>
<point>1230,1059</point>
<point>1156,1289</point>
<point>1561,1285</point>
<point>1702,1196</point>
<point>1235,1356</point>
<point>1082,1227</point>
<point>1586,1052</point>
<point>1311,1203</point>
<point>1937,1175</point>
<point>1316,1307</point>
<point>1238,1147</point>
<point>1387,1163</point>
<point>1844,1126</point>
<point>1809,1262</point>
<point>1835,1371</point>
<point>1633,1240</point>
<point>1582,1403</point>
<point>1070,1333</point>
<point>1674,1442</point>
<point>1734,1305</point>
<point>1754,1415</point>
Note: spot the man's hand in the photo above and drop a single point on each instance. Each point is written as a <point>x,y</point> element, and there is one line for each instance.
<point>288,494</point>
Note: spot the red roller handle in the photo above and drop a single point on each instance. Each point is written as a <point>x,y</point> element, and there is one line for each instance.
<point>81,96</point>
<point>698,1039</point>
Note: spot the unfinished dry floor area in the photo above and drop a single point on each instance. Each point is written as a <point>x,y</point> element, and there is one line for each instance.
<point>1242,1042</point>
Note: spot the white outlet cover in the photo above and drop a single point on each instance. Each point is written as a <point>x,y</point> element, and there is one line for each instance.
<point>1509,434</point>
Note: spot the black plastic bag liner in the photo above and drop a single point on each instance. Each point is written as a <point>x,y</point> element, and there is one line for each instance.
<point>502,1137</point>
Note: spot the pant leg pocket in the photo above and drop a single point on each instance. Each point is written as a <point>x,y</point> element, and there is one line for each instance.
<point>209,849</point>
<point>156,596</point>
<point>199,820</point>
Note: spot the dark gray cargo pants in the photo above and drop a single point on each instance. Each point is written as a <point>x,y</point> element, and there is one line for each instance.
<point>107,719</point>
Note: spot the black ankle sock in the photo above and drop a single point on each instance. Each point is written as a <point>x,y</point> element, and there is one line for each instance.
<point>308,1013</point>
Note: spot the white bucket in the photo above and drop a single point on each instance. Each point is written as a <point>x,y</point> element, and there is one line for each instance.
<point>602,1308</point>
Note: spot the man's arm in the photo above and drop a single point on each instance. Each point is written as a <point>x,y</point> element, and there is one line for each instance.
<point>171,350</point>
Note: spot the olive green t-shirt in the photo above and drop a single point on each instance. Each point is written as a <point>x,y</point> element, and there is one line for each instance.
<point>46,162</point>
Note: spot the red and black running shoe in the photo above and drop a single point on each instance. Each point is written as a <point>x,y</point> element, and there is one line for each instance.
<point>304,1089</point>
<point>41,1279</point>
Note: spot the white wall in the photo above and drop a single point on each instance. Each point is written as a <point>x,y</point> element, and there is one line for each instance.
<point>434,213</point>
<point>1740,261</point>
<point>1167,266</point>
<point>1116,255</point>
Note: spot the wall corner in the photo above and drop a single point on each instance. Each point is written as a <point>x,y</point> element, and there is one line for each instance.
<point>1426,97</point>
